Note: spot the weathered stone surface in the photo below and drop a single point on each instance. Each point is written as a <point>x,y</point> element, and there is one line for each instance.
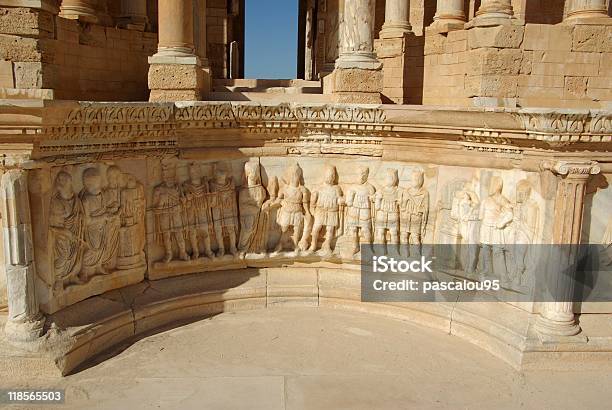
<point>434,43</point>
<point>590,38</point>
<point>175,77</point>
<point>576,86</point>
<point>506,36</point>
<point>26,22</point>
<point>6,74</point>
<point>494,61</point>
<point>492,86</point>
<point>15,48</point>
<point>356,80</point>
<point>174,95</point>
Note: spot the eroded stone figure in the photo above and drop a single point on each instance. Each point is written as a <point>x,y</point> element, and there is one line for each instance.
<point>168,212</point>
<point>525,224</point>
<point>414,211</point>
<point>95,230</point>
<point>112,201</point>
<point>132,231</point>
<point>224,211</point>
<point>326,205</point>
<point>495,216</point>
<point>253,221</point>
<point>359,201</point>
<point>387,207</point>
<point>66,226</point>
<point>466,211</point>
<point>195,194</point>
<point>294,201</point>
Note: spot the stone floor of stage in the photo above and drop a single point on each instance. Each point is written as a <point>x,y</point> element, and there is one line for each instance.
<point>301,358</point>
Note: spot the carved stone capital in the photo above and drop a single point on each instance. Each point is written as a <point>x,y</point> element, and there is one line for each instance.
<point>575,169</point>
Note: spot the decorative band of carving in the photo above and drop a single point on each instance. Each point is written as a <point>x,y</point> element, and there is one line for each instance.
<point>559,126</point>
<point>576,168</point>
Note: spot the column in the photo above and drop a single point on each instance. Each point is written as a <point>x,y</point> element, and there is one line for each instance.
<point>25,322</point>
<point>83,10</point>
<point>493,13</point>
<point>587,10</point>
<point>175,28</point>
<point>557,315</point>
<point>450,15</point>
<point>134,14</point>
<point>397,14</point>
<point>200,31</point>
<point>175,72</point>
<point>356,40</point>
<point>357,77</point>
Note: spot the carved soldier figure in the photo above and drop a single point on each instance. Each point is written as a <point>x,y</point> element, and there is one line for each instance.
<point>66,225</point>
<point>195,197</point>
<point>386,205</point>
<point>325,204</point>
<point>294,199</point>
<point>495,215</point>
<point>359,215</point>
<point>224,210</point>
<point>132,232</point>
<point>112,200</point>
<point>95,228</point>
<point>414,211</point>
<point>253,224</point>
<point>525,224</point>
<point>168,214</point>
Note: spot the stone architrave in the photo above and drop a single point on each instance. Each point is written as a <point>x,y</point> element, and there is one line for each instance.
<point>557,317</point>
<point>24,322</point>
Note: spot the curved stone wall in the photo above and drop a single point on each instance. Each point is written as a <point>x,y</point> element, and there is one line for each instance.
<point>146,215</point>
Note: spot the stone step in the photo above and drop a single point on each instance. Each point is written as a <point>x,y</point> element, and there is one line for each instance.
<point>269,97</point>
<point>268,86</point>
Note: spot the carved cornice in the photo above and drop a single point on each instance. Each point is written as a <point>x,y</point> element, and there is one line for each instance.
<point>567,126</point>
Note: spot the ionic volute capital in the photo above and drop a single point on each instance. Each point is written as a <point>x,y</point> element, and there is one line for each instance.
<point>572,169</point>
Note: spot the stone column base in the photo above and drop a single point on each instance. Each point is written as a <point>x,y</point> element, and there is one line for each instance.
<point>354,85</point>
<point>177,79</point>
<point>26,331</point>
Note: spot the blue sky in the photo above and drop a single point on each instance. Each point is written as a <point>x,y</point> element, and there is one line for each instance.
<point>271,38</point>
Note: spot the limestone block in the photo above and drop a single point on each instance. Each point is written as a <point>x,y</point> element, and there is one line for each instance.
<point>434,43</point>
<point>547,37</point>
<point>357,98</point>
<point>495,61</point>
<point>175,77</point>
<point>6,74</point>
<point>358,80</point>
<point>575,87</point>
<point>589,38</point>
<point>174,95</point>
<point>492,86</point>
<point>28,75</point>
<point>526,62</point>
<point>547,81</point>
<point>26,22</point>
<point>15,48</point>
<point>498,36</point>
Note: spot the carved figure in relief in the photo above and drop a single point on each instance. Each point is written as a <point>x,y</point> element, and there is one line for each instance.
<point>167,207</point>
<point>195,195</point>
<point>525,224</point>
<point>66,225</point>
<point>326,204</point>
<point>132,231</point>
<point>294,200</point>
<point>495,216</point>
<point>95,230</point>
<point>386,205</point>
<point>359,215</point>
<point>253,221</point>
<point>112,201</point>
<point>414,211</point>
<point>466,211</point>
<point>224,211</point>
<point>268,209</point>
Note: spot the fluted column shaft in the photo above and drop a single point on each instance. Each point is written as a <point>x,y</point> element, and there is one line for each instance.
<point>356,40</point>
<point>579,9</point>
<point>397,14</point>
<point>175,28</point>
<point>557,316</point>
